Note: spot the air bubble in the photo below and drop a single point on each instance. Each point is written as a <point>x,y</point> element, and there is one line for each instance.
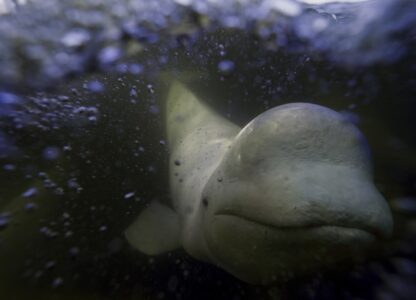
<point>73,184</point>
<point>51,153</point>
<point>109,55</point>
<point>8,98</point>
<point>95,86</point>
<point>286,7</point>
<point>184,2</point>
<point>50,264</point>
<point>154,109</point>
<point>30,206</point>
<point>92,119</point>
<point>129,195</point>
<point>133,92</point>
<point>226,66</point>
<point>150,88</point>
<point>136,69</point>
<point>73,251</point>
<point>9,167</point>
<point>75,38</point>
<point>47,232</point>
<point>57,282</point>
<point>4,220</point>
<point>31,192</point>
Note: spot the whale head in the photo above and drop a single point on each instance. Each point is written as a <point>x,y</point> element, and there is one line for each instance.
<point>293,194</point>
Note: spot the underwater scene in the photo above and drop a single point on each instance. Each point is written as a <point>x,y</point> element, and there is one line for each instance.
<point>206,149</point>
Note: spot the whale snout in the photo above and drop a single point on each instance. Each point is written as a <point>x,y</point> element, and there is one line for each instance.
<point>316,196</point>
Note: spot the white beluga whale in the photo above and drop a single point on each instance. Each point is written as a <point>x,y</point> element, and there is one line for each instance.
<point>289,194</point>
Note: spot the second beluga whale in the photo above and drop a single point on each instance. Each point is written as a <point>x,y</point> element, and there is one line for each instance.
<point>290,193</point>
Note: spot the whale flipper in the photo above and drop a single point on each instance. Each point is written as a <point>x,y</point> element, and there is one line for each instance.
<point>156,230</point>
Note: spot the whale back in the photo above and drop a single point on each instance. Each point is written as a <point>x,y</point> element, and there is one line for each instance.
<point>197,138</point>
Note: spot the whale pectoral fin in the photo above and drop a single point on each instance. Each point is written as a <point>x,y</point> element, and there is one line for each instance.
<point>156,230</point>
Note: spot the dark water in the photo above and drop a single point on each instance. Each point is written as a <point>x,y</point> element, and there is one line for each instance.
<point>83,149</point>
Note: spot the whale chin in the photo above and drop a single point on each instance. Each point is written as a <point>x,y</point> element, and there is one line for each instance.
<point>261,253</point>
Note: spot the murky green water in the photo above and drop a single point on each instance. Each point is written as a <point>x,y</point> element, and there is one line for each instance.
<point>83,146</point>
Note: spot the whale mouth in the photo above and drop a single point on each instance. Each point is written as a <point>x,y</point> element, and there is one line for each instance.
<point>341,232</point>
<point>260,252</point>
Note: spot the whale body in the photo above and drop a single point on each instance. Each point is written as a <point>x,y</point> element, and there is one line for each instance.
<point>290,193</point>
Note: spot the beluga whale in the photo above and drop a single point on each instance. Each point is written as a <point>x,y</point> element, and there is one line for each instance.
<point>289,194</point>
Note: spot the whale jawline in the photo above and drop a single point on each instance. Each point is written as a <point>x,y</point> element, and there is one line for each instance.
<point>315,228</point>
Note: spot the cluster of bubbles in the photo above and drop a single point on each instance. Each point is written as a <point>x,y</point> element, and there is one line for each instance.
<point>47,113</point>
<point>96,35</point>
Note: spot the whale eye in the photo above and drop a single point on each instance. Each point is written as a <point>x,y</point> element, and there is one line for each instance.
<point>205,202</point>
